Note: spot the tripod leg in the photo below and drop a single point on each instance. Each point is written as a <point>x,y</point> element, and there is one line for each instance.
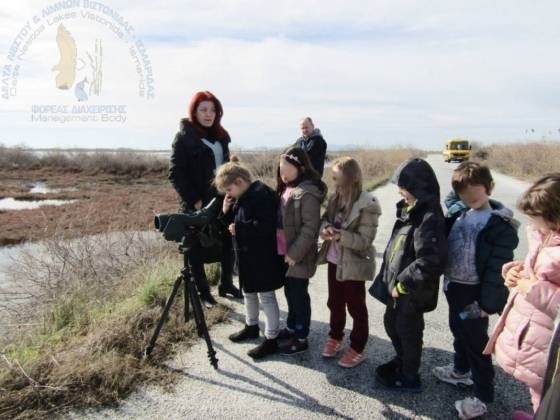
<point>201,324</point>
<point>197,310</point>
<point>163,316</point>
<point>186,309</point>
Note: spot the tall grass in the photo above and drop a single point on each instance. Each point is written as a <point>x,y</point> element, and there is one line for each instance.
<point>122,163</point>
<point>529,160</point>
<point>89,307</point>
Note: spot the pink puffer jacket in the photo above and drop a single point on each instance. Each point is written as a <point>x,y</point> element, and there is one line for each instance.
<point>522,335</point>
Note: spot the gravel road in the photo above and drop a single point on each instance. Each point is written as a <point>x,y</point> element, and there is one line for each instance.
<point>306,386</point>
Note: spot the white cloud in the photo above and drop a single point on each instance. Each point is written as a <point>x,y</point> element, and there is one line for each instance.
<point>368,72</point>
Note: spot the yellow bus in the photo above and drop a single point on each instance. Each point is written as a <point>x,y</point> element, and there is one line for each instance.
<point>457,150</point>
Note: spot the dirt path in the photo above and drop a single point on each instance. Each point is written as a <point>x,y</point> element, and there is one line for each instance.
<point>307,386</point>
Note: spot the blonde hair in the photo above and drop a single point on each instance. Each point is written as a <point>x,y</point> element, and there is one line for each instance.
<point>345,196</point>
<point>229,172</point>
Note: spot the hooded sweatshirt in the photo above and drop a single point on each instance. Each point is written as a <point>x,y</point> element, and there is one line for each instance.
<point>416,254</point>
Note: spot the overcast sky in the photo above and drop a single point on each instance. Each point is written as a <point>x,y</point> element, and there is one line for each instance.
<point>370,73</point>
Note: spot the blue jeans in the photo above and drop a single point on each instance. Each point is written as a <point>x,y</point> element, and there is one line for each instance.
<point>299,306</point>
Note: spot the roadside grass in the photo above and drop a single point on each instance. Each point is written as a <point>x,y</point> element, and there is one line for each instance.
<point>527,161</point>
<point>88,348</point>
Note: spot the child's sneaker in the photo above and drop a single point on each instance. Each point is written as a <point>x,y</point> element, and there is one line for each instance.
<point>352,358</point>
<point>332,347</point>
<point>449,375</point>
<point>470,408</point>
<point>295,346</point>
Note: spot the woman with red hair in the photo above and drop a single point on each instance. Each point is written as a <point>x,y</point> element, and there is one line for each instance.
<point>201,146</point>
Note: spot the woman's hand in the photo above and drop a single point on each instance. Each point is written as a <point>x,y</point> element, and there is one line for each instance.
<point>395,292</point>
<point>231,229</point>
<point>289,261</point>
<point>512,274</point>
<point>228,201</point>
<point>524,284</point>
<point>198,205</point>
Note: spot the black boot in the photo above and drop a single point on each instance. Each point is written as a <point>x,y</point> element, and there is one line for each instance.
<point>264,349</point>
<point>207,299</point>
<point>400,382</point>
<point>226,276</point>
<point>248,332</point>
<point>223,291</point>
<point>388,369</point>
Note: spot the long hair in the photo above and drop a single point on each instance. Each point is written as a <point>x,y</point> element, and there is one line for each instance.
<point>216,132</point>
<point>297,157</point>
<point>345,195</point>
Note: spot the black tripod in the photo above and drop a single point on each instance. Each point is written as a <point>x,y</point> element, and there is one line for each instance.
<point>190,294</point>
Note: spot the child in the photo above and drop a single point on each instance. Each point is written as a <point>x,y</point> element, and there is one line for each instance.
<point>522,335</point>
<point>249,211</point>
<point>482,235</point>
<point>348,230</point>
<point>408,281</point>
<point>301,193</point>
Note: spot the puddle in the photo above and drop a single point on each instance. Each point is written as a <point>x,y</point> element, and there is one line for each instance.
<point>42,188</point>
<point>10,203</point>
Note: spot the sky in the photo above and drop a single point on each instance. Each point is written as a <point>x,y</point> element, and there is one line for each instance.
<point>369,73</point>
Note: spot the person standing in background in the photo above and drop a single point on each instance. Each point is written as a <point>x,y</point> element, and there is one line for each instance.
<point>313,143</point>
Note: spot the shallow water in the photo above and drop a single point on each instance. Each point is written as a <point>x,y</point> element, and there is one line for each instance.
<point>43,188</point>
<point>10,203</point>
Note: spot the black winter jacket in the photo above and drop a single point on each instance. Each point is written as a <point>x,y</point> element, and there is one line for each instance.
<point>192,166</point>
<point>255,218</point>
<point>417,251</point>
<point>316,148</point>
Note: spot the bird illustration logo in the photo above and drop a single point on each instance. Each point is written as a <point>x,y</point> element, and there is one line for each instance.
<point>80,92</point>
<point>68,68</point>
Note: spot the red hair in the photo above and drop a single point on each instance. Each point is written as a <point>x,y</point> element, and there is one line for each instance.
<point>216,131</point>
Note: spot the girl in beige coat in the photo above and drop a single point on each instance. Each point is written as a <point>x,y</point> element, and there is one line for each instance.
<point>301,193</point>
<point>348,229</point>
